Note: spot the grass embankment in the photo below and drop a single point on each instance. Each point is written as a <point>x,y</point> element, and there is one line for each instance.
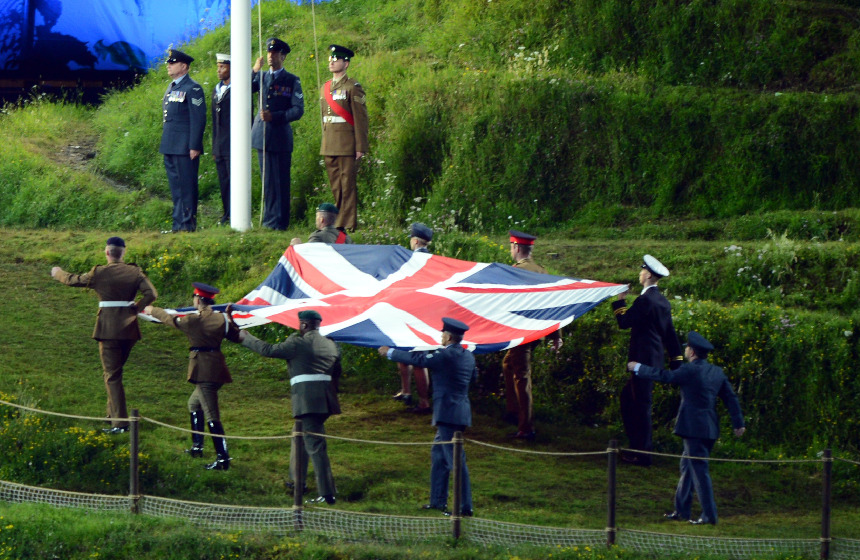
<point>50,362</point>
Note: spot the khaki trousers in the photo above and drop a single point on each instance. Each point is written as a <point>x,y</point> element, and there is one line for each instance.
<point>114,354</point>
<point>342,172</point>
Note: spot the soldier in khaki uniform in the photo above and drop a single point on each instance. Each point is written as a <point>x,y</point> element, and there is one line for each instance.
<point>325,232</point>
<point>516,365</point>
<point>344,136</point>
<point>207,368</point>
<point>314,366</point>
<point>116,283</point>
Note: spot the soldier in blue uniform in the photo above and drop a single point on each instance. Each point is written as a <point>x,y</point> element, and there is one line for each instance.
<point>184,119</point>
<point>701,383</point>
<point>453,369</point>
<point>651,330</point>
<point>221,131</point>
<point>272,134</point>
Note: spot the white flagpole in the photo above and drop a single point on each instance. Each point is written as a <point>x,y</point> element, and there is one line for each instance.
<point>240,108</point>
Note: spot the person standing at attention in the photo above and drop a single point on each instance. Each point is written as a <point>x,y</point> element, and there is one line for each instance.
<point>344,136</point>
<point>517,363</point>
<point>184,120</point>
<point>651,330</point>
<point>221,132</point>
<point>272,134</point>
<point>116,283</point>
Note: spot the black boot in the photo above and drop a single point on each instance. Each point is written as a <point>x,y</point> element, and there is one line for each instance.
<point>198,425</point>
<point>223,461</point>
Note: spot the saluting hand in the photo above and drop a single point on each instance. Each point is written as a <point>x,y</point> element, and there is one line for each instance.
<point>55,271</point>
<point>383,350</point>
<point>740,431</point>
<point>631,366</point>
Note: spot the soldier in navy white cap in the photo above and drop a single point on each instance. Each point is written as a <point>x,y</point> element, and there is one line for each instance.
<point>651,331</point>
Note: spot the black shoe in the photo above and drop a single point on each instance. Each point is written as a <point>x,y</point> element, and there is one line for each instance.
<point>528,436</point>
<point>291,486</point>
<point>420,410</point>
<point>443,509</point>
<point>219,465</point>
<point>116,430</point>
<point>465,513</point>
<point>637,460</point>
<point>675,516</point>
<point>195,452</point>
<point>327,499</point>
<point>701,521</point>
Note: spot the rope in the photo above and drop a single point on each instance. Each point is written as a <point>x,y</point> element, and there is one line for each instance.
<point>408,443</point>
<point>555,453</point>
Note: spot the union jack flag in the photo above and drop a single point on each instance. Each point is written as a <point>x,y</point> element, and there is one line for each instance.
<point>386,295</point>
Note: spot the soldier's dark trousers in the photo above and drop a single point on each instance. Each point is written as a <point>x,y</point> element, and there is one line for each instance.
<point>275,167</point>
<point>114,354</point>
<point>635,401</point>
<point>182,177</point>
<point>318,453</point>
<point>342,172</point>
<point>222,166</point>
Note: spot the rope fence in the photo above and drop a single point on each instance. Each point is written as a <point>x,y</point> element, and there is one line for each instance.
<point>363,527</point>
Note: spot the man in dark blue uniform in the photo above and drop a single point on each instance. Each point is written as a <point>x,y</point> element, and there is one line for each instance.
<point>651,330</point>
<point>701,383</point>
<point>272,134</point>
<point>221,131</point>
<point>452,368</point>
<point>184,119</point>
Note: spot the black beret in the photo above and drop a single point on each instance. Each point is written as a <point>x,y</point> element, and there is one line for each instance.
<point>309,315</point>
<point>118,241</point>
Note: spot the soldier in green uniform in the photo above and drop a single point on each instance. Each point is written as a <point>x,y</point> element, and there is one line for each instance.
<point>116,283</point>
<point>325,232</point>
<point>207,368</point>
<point>517,363</point>
<point>314,365</point>
<point>344,136</point>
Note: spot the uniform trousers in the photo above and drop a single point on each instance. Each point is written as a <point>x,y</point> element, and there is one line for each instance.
<point>517,368</point>
<point>182,178</point>
<point>275,168</point>
<point>441,464</point>
<point>205,398</point>
<point>695,474</point>
<point>114,354</point>
<point>635,404</point>
<point>222,166</point>
<point>342,171</point>
<point>317,451</point>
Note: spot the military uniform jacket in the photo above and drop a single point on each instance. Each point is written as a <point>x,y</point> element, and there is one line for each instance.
<point>284,99</point>
<point>339,138</point>
<point>205,331</point>
<point>313,359</point>
<point>701,383</point>
<point>452,369</point>
<point>221,123</point>
<point>184,118</point>
<point>115,282</point>
<point>651,329</point>
<point>327,234</point>
<point>529,264</point>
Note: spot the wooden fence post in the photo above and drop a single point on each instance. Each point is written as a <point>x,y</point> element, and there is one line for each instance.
<point>827,482</point>
<point>458,483</point>
<point>134,460</point>
<point>612,463</point>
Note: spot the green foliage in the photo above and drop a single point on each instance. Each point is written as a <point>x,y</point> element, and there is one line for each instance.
<point>38,451</point>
